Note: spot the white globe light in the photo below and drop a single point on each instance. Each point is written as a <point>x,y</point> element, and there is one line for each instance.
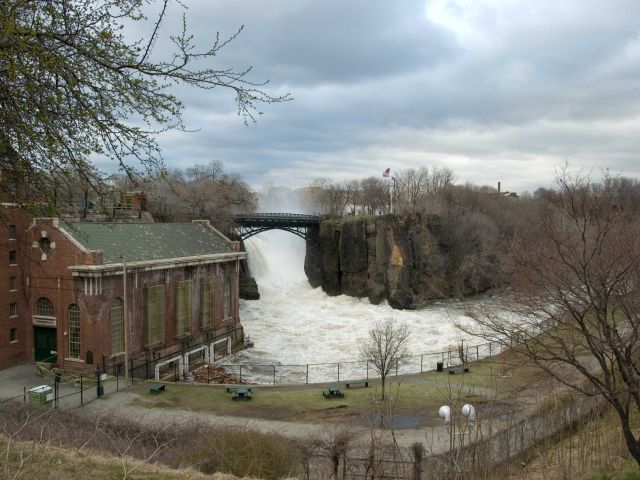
<point>469,411</point>
<point>445,413</point>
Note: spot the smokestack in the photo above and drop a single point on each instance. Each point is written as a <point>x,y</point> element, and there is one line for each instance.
<point>498,187</point>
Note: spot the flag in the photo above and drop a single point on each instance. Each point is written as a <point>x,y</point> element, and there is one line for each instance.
<point>386,173</point>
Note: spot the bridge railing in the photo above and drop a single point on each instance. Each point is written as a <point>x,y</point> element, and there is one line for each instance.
<point>301,216</point>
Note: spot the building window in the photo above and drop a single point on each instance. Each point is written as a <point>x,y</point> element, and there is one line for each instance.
<point>44,307</point>
<point>227,298</point>
<point>13,310</point>
<point>74,331</point>
<point>13,335</point>
<point>12,232</point>
<point>45,245</point>
<point>183,313</point>
<point>155,315</point>
<point>13,284</point>
<point>117,326</point>
<point>12,257</point>
<point>206,304</point>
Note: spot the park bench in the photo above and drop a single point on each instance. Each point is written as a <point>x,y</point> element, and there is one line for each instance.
<point>358,383</point>
<point>456,370</point>
<point>157,388</point>
<point>233,389</point>
<point>241,393</point>
<point>332,392</point>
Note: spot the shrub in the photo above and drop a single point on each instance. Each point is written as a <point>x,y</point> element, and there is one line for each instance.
<point>246,453</point>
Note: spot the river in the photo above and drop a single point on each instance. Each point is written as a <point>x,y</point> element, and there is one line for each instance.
<point>294,324</point>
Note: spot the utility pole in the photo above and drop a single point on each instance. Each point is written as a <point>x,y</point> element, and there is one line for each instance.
<point>125,321</point>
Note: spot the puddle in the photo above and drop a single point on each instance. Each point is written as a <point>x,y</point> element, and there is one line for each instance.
<point>397,422</point>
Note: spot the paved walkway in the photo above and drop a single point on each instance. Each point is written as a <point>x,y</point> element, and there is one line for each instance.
<point>15,383</point>
<point>436,439</point>
<point>14,380</point>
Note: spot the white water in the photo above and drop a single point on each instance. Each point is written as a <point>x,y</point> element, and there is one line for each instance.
<point>294,324</point>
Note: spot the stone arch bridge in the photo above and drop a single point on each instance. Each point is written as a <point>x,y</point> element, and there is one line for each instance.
<point>248,225</point>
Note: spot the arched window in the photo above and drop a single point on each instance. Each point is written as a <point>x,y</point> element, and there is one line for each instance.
<point>117,326</point>
<point>74,331</point>
<point>226,298</point>
<point>44,307</point>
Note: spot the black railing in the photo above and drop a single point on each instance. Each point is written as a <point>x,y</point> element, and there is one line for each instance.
<point>345,371</point>
<point>276,218</point>
<point>144,368</point>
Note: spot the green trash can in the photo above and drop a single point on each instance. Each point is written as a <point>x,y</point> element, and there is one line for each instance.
<point>439,366</point>
<point>41,395</point>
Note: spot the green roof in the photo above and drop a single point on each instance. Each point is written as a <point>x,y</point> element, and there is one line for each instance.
<point>147,241</point>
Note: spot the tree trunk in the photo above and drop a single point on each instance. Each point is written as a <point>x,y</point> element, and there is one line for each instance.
<point>633,445</point>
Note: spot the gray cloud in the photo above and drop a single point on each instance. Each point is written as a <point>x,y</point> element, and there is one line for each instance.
<point>495,90</point>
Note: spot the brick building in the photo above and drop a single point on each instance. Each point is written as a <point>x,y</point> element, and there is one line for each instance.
<point>64,285</point>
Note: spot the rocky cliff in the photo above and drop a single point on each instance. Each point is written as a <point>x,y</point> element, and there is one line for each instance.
<point>247,284</point>
<point>407,261</point>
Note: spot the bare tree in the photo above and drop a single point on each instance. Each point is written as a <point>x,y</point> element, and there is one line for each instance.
<point>412,184</point>
<point>374,194</point>
<point>439,179</point>
<point>386,347</point>
<point>577,295</point>
<point>200,191</point>
<point>73,80</point>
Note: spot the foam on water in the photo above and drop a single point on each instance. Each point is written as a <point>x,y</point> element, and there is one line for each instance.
<point>293,323</point>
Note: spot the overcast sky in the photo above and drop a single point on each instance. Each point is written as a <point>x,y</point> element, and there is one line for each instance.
<point>492,89</point>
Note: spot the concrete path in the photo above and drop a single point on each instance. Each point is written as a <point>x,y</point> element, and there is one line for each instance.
<point>15,383</point>
<point>14,380</point>
<point>435,439</point>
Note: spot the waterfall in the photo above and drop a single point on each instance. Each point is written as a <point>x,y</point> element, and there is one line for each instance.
<point>293,323</point>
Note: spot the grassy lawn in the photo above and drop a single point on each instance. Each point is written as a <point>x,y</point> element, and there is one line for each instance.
<point>419,394</point>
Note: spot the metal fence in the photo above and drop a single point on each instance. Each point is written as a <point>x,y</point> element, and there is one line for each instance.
<point>71,393</point>
<point>76,391</point>
<point>357,370</point>
<point>144,368</point>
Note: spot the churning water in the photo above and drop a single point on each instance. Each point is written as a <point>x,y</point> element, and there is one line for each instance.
<point>294,324</point>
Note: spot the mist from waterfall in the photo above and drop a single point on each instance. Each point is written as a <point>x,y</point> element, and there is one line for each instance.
<point>293,323</point>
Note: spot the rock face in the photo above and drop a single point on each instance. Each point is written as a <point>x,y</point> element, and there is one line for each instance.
<point>404,260</point>
<point>249,289</point>
<point>247,284</point>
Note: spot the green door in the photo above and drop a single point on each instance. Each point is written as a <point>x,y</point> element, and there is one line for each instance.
<point>45,344</point>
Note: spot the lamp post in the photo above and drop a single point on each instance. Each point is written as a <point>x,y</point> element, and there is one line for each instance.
<point>125,322</point>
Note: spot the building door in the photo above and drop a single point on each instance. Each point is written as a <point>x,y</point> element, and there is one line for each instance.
<point>45,344</point>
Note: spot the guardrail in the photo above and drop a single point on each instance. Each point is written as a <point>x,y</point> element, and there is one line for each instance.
<point>308,373</point>
<point>278,215</point>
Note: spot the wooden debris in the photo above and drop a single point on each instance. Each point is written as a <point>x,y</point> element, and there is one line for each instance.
<point>215,374</point>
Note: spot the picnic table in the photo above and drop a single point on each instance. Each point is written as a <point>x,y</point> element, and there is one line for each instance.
<point>157,388</point>
<point>233,389</point>
<point>241,393</point>
<point>332,392</point>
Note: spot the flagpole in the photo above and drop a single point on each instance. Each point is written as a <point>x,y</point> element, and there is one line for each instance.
<point>392,188</point>
<point>393,191</point>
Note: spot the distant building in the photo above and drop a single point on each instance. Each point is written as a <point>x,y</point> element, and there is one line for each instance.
<point>505,193</point>
<point>63,294</point>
